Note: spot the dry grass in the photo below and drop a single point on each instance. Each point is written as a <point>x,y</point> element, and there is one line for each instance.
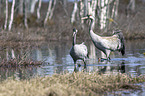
<point>75,84</point>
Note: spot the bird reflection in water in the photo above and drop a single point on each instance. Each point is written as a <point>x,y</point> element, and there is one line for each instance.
<point>80,68</point>
<point>108,68</point>
<point>122,67</point>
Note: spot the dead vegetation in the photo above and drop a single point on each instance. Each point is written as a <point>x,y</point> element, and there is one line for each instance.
<point>13,63</point>
<point>67,84</point>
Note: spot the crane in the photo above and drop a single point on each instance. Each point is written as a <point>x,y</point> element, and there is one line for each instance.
<point>106,44</point>
<point>78,51</point>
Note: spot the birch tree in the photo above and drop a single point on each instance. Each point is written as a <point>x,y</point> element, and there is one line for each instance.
<point>130,7</point>
<point>25,14</point>
<point>73,16</point>
<point>38,9</point>
<point>83,9</point>
<point>104,13</point>
<point>32,5</point>
<point>50,10</point>
<point>114,9</point>
<point>13,54</point>
<point>104,9</point>
<point>0,6</point>
<point>92,10</point>
<point>12,15</point>
<point>20,8</point>
<point>6,15</point>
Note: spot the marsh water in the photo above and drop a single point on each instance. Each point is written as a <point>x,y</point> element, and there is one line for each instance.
<point>57,60</point>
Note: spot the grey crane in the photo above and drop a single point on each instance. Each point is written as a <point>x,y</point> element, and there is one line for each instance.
<point>106,44</point>
<point>78,51</point>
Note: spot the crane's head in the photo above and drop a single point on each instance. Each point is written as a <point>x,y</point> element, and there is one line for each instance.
<point>88,17</point>
<point>75,31</point>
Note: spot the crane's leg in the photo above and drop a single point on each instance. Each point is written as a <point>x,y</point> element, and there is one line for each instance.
<point>75,66</point>
<point>85,67</point>
<point>84,64</point>
<point>103,55</point>
<point>108,54</point>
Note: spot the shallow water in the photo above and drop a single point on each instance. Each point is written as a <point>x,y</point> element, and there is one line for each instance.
<point>57,60</point>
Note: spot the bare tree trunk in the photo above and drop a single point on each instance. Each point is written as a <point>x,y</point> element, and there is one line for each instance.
<point>74,12</point>
<point>50,10</point>
<point>6,18</point>
<point>65,3</point>
<point>92,9</point>
<point>19,7</point>
<point>82,10</point>
<point>13,54</point>
<point>115,9</point>
<point>25,14</point>
<point>113,14</point>
<point>20,10</point>
<point>131,5</point>
<point>0,6</point>
<point>51,13</point>
<point>12,15</point>
<point>85,7</point>
<point>104,14</point>
<point>38,10</point>
<point>130,8</point>
<point>92,53</point>
<point>32,6</point>
<point>101,8</point>
<point>7,54</point>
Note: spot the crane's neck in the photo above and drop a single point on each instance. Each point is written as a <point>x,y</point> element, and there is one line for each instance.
<point>91,32</point>
<point>74,39</point>
<point>92,24</point>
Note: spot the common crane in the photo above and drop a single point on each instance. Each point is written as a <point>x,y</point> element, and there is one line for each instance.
<point>78,51</point>
<point>106,44</point>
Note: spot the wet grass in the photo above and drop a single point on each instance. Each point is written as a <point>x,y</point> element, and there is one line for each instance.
<point>75,84</point>
<point>19,63</point>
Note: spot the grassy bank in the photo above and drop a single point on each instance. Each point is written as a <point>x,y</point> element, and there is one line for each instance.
<point>76,84</point>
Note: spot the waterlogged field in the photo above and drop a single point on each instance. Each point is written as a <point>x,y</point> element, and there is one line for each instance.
<point>56,60</point>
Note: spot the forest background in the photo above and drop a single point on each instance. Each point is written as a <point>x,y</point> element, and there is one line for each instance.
<point>36,20</point>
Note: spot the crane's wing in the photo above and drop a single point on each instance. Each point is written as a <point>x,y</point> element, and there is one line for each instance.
<point>81,50</point>
<point>112,43</point>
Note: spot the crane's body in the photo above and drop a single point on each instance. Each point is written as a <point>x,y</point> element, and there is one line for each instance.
<point>78,51</point>
<point>106,44</point>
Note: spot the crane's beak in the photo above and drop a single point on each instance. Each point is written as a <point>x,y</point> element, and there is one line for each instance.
<point>84,18</point>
